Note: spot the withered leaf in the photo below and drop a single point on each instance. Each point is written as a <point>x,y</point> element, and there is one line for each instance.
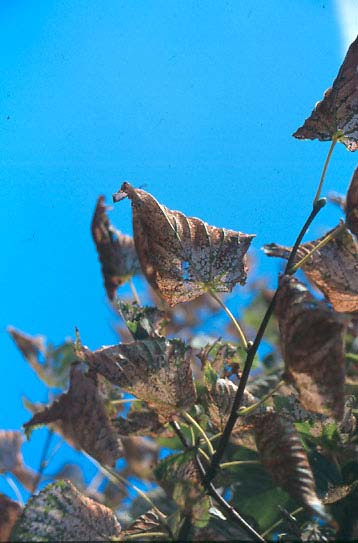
<point>11,459</point>
<point>284,457</point>
<point>146,523</point>
<point>333,268</point>
<point>61,513</point>
<point>116,251</point>
<point>352,204</point>
<point>312,338</point>
<point>142,322</point>
<point>338,111</point>
<point>81,417</point>
<point>140,421</point>
<point>156,371</point>
<point>220,401</point>
<point>50,363</point>
<point>9,512</point>
<point>183,257</point>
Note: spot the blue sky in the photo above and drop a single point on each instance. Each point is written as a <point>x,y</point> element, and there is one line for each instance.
<point>197,100</point>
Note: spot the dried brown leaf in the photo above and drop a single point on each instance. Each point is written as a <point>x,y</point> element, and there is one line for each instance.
<point>9,513</point>
<point>141,421</point>
<point>81,417</point>
<point>338,111</point>
<point>312,337</point>
<point>333,268</point>
<point>220,401</point>
<point>183,257</point>
<point>146,523</point>
<point>352,204</point>
<point>284,457</point>
<point>156,371</point>
<point>61,513</point>
<point>11,459</point>
<point>116,251</point>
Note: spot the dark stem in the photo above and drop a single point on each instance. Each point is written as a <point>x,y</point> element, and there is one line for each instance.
<point>184,529</point>
<point>317,206</point>
<point>42,464</point>
<point>211,490</point>
<point>229,510</point>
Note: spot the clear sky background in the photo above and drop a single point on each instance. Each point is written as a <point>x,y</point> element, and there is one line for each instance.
<point>197,100</point>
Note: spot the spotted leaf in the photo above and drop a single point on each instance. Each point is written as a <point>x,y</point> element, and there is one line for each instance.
<point>337,113</point>
<point>183,257</point>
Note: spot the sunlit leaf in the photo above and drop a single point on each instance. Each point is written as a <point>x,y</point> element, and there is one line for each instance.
<point>9,512</point>
<point>61,513</point>
<point>338,111</point>
<point>116,251</point>
<point>51,364</point>
<point>333,268</point>
<point>352,204</point>
<point>183,257</point>
<point>312,338</point>
<point>11,459</point>
<point>283,456</point>
<point>81,417</point>
<point>157,371</point>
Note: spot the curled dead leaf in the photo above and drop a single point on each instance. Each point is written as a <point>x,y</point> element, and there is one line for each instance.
<point>157,371</point>
<point>352,204</point>
<point>9,513</point>
<point>116,251</point>
<point>11,459</point>
<point>312,339</point>
<point>284,457</point>
<point>61,513</point>
<point>82,418</point>
<point>332,268</point>
<point>337,113</point>
<point>146,523</point>
<point>184,257</point>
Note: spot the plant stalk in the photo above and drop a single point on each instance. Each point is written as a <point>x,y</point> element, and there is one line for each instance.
<point>234,321</point>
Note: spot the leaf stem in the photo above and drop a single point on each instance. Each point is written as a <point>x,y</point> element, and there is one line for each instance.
<point>279,522</point>
<point>247,410</point>
<point>193,422</point>
<point>115,478</point>
<point>134,291</point>
<point>325,166</point>
<point>225,465</point>
<point>15,488</point>
<point>234,321</point>
<point>140,535</point>
<point>215,462</point>
<point>333,234</point>
<point>42,464</point>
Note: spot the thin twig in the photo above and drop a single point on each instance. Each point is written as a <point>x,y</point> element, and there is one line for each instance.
<point>134,291</point>
<point>252,352</point>
<point>279,522</point>
<point>211,490</point>
<point>42,463</point>
<point>229,510</point>
<point>234,321</point>
<point>140,535</point>
<point>319,245</point>
<point>323,175</point>
<point>15,488</point>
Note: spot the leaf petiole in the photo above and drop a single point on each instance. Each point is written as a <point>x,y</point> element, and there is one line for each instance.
<point>194,423</point>
<point>234,321</point>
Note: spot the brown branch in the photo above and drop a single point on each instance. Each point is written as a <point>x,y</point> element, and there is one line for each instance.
<point>317,206</point>
<point>232,513</point>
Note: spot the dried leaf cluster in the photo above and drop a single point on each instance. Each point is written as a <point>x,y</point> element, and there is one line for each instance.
<point>163,406</point>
